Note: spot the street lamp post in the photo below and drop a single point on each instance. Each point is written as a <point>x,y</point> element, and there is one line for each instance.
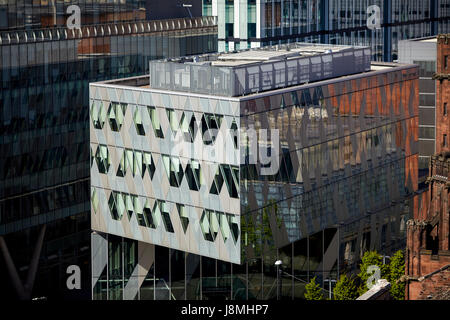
<point>278,264</point>
<point>330,286</point>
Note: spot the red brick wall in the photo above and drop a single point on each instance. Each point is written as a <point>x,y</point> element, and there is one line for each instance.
<point>437,283</point>
<point>442,92</point>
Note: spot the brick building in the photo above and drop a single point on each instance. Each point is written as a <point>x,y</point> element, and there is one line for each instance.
<point>428,255</point>
<point>442,77</point>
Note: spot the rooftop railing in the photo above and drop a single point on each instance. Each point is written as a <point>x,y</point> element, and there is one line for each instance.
<point>101,30</point>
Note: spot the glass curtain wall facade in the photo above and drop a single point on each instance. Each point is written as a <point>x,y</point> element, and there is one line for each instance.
<point>32,14</point>
<point>348,154</point>
<point>257,23</point>
<point>422,52</point>
<point>44,131</point>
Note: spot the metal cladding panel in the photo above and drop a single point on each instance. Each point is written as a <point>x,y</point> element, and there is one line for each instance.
<point>155,180</point>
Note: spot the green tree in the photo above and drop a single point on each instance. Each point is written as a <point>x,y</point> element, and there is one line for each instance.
<point>345,289</point>
<point>396,270</point>
<point>313,291</point>
<point>371,258</point>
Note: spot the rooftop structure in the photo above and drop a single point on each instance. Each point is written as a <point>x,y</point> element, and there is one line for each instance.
<point>176,173</point>
<point>252,71</point>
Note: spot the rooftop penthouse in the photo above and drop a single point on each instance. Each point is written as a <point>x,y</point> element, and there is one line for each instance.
<point>260,69</point>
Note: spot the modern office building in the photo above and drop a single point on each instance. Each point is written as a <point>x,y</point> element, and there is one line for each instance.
<point>44,138</point>
<point>423,51</point>
<point>212,167</point>
<point>19,15</point>
<point>254,23</point>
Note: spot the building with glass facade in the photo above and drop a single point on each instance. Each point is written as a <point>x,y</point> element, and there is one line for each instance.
<point>423,52</point>
<point>17,15</point>
<point>44,134</point>
<point>253,23</point>
<point>206,172</point>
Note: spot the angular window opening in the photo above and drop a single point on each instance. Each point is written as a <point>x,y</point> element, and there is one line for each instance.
<point>102,159</point>
<point>233,223</point>
<point>138,123</point>
<point>173,120</point>
<point>184,218</point>
<point>98,114</point>
<point>224,227</point>
<point>194,175</point>
<point>216,186</point>
<point>174,170</point>
<point>210,127</point>
<point>94,200</point>
<point>139,212</point>
<point>148,215</point>
<point>129,206</point>
<point>122,169</point>
<point>116,205</point>
<point>116,113</point>
<point>188,128</point>
<point>148,162</point>
<point>156,214</point>
<point>129,162</point>
<point>204,225</point>
<point>155,122</point>
<point>166,216</point>
<point>234,133</point>
<point>230,173</point>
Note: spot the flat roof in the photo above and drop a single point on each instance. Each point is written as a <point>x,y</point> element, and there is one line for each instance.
<point>256,70</point>
<point>142,82</point>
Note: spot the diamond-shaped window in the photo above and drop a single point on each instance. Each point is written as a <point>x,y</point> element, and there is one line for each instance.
<point>102,159</point>
<point>184,218</point>
<point>210,126</point>
<point>148,215</point>
<point>224,227</point>
<point>174,170</point>
<point>166,216</point>
<point>94,200</point>
<point>231,174</point>
<point>209,225</point>
<point>122,169</point>
<point>138,122</point>
<point>139,212</point>
<point>156,214</point>
<point>116,113</point>
<point>129,205</point>
<point>194,175</point>
<point>234,226</point>
<point>189,128</point>
<point>204,225</point>
<point>116,205</point>
<point>149,163</point>
<point>98,114</point>
<point>216,186</point>
<point>173,120</point>
<point>234,133</point>
<point>155,122</point>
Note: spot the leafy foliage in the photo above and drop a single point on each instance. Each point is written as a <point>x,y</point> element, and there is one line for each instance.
<point>371,258</point>
<point>345,289</point>
<point>396,270</point>
<point>313,291</point>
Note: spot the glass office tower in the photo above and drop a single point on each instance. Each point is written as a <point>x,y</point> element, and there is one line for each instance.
<point>44,134</point>
<point>195,196</point>
<point>254,23</point>
<point>28,14</point>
